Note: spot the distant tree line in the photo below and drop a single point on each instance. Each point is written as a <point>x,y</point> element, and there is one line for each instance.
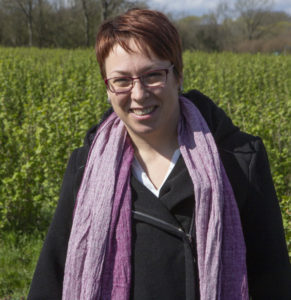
<point>56,23</point>
<point>248,26</point>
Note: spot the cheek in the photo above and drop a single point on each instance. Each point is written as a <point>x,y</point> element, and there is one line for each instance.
<point>175,83</point>
<point>118,103</point>
<point>174,89</point>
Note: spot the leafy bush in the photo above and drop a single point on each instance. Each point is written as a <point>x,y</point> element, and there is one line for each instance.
<point>255,91</point>
<point>49,98</point>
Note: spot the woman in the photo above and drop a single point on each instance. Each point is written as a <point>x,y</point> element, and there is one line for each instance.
<point>146,209</point>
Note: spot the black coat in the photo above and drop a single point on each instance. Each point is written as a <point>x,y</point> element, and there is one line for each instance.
<point>246,163</point>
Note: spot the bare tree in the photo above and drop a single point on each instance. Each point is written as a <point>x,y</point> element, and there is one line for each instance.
<point>252,14</point>
<point>86,11</point>
<point>26,7</point>
<point>104,9</point>
<point>41,24</point>
<point>188,28</point>
<point>222,12</point>
<point>113,7</point>
<point>222,18</point>
<point>86,20</point>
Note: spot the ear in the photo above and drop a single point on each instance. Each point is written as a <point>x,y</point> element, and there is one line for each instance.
<point>181,81</point>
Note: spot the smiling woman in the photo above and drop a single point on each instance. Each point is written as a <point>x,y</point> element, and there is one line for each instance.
<point>167,199</point>
<point>149,112</point>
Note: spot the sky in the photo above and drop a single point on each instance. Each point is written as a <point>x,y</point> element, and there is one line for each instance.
<point>200,7</point>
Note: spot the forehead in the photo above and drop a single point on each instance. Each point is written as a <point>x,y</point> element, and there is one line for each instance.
<point>133,59</point>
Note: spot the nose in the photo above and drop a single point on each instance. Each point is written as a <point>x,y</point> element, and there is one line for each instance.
<point>139,91</point>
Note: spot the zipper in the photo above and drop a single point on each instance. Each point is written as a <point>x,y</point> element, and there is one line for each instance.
<point>187,239</point>
<point>174,228</point>
<point>166,226</point>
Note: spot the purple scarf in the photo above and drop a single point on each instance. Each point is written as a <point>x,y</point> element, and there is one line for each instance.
<point>98,265</point>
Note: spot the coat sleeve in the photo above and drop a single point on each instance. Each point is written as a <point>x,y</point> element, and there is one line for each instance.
<point>48,277</point>
<point>268,264</point>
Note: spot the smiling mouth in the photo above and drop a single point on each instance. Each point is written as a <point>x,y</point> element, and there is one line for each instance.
<point>144,111</point>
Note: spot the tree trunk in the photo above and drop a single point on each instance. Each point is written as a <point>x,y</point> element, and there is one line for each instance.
<point>104,9</point>
<point>30,32</point>
<point>26,8</point>
<point>40,24</point>
<point>29,21</point>
<point>86,21</point>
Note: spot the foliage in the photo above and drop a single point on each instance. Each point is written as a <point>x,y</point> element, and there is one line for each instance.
<point>49,98</point>
<point>255,90</point>
<point>56,23</point>
<point>251,30</point>
<point>240,25</point>
<point>18,254</point>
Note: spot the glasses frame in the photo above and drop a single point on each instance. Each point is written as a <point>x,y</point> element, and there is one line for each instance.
<point>140,77</point>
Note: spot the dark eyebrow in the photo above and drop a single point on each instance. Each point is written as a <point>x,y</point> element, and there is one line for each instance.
<point>121,73</point>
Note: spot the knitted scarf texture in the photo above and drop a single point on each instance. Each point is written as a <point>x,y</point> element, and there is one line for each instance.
<point>98,264</point>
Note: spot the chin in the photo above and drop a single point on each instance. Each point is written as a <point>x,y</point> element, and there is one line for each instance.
<point>141,131</point>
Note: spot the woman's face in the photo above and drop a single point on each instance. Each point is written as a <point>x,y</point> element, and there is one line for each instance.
<point>145,111</point>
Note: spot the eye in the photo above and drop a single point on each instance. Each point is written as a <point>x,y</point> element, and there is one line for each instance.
<point>121,81</point>
<point>154,76</point>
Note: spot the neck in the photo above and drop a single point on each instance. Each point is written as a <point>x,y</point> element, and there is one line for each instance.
<point>156,144</point>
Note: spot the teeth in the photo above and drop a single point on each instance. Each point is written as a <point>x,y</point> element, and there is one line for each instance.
<point>144,111</point>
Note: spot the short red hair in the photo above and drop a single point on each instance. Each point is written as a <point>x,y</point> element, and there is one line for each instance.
<point>149,29</point>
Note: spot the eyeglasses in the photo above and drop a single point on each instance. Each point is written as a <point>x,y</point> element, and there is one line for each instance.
<point>151,79</point>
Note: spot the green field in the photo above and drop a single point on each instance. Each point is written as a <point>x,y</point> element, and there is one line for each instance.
<point>49,99</point>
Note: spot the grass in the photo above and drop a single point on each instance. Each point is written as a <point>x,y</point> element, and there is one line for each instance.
<point>18,256</point>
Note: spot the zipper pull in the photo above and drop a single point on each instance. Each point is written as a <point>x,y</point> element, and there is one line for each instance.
<point>190,238</point>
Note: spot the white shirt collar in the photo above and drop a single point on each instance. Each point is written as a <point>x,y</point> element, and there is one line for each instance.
<point>142,177</point>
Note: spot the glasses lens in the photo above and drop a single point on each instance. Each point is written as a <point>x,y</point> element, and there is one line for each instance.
<point>154,78</point>
<point>120,84</point>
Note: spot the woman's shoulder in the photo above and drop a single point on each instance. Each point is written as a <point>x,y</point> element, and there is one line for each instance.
<point>79,155</point>
<point>227,136</point>
<point>240,152</point>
